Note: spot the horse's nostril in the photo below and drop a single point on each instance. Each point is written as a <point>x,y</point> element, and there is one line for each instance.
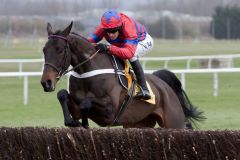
<point>49,82</point>
<point>47,85</point>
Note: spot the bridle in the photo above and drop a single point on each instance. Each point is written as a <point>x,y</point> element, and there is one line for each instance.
<point>63,69</point>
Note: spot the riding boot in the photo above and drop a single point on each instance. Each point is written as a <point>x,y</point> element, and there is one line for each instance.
<point>143,92</point>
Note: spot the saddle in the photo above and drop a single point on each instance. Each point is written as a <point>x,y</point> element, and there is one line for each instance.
<point>127,78</point>
<point>123,71</point>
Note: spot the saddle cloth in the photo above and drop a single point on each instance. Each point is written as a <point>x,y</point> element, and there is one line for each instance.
<point>152,100</point>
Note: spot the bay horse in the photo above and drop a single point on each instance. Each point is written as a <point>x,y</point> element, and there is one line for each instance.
<point>96,94</point>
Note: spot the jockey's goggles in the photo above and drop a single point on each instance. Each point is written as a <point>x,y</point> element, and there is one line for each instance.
<point>113,30</point>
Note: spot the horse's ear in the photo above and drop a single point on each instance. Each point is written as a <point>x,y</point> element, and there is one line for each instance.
<point>49,29</point>
<point>67,30</point>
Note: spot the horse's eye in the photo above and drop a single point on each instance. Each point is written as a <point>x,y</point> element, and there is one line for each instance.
<point>58,49</point>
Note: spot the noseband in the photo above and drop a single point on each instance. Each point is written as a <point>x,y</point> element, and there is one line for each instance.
<point>62,71</point>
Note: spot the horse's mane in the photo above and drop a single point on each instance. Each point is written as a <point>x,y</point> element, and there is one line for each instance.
<point>81,39</point>
<point>74,34</point>
<point>79,36</point>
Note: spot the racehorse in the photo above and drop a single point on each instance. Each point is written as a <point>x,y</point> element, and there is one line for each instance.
<point>96,93</point>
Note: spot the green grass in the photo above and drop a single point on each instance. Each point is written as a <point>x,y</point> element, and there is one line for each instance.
<point>32,49</point>
<point>185,48</point>
<point>222,112</point>
<point>42,110</point>
<point>21,48</point>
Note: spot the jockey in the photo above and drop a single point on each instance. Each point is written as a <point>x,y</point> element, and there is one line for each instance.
<point>128,40</point>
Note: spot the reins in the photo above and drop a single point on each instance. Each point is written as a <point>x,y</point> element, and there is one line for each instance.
<point>78,65</point>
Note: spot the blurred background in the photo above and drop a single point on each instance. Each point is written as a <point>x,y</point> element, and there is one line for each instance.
<point>197,39</point>
<point>166,19</point>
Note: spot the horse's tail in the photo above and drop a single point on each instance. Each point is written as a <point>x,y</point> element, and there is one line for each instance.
<point>191,112</point>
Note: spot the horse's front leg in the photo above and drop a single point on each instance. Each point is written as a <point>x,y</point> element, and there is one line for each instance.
<point>85,106</point>
<point>63,98</point>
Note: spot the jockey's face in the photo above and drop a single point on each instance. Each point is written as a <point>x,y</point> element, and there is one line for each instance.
<point>113,35</point>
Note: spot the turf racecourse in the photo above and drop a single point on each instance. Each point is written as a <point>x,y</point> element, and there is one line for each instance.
<point>43,109</point>
<point>132,144</point>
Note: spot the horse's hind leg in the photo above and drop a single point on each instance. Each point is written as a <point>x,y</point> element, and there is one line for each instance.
<point>63,98</point>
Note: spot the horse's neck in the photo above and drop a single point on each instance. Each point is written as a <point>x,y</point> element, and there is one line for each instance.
<point>82,51</point>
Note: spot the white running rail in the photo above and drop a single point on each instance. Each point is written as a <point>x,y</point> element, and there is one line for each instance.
<point>183,72</point>
<point>188,59</point>
<point>25,75</point>
<point>215,72</point>
<point>144,60</point>
<point>21,62</point>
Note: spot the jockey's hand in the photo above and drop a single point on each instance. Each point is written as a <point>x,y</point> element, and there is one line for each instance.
<point>102,47</point>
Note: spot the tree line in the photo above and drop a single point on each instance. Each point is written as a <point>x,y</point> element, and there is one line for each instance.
<point>226,23</point>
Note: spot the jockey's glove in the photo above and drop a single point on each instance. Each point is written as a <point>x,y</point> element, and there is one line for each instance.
<point>102,47</point>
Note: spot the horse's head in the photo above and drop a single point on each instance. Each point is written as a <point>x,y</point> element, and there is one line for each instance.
<point>57,57</point>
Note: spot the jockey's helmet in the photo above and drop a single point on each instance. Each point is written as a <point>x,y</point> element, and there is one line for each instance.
<point>111,20</point>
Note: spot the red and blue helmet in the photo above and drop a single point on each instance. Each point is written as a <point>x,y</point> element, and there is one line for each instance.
<point>111,19</point>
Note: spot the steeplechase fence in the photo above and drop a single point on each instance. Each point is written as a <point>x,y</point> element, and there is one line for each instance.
<point>120,144</point>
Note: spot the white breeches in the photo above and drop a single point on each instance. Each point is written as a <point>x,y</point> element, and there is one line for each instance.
<point>143,48</point>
